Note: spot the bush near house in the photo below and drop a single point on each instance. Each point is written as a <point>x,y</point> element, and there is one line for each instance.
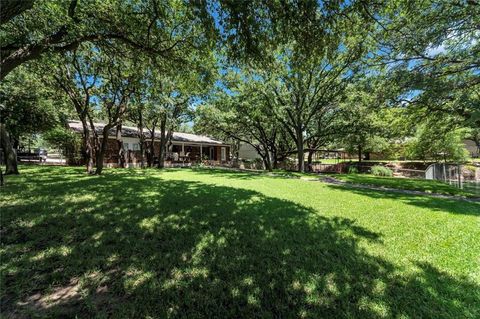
<point>381,171</point>
<point>352,170</point>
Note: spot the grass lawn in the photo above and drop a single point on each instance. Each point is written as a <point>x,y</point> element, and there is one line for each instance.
<point>429,186</point>
<point>219,244</point>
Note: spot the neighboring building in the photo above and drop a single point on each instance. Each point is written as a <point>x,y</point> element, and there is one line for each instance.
<point>471,148</point>
<point>186,148</point>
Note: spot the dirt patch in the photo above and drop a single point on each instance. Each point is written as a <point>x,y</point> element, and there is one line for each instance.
<point>69,299</point>
<point>64,299</point>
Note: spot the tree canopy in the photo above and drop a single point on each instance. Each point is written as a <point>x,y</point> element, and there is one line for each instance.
<point>288,78</point>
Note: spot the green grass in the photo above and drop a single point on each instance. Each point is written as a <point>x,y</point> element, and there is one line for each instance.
<point>429,186</point>
<point>221,244</point>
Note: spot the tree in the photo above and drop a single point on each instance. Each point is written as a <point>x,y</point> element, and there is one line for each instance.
<point>115,91</point>
<point>433,141</point>
<point>241,115</point>
<point>12,8</point>
<point>156,28</point>
<point>77,75</point>
<point>27,108</point>
<point>430,59</point>
<point>302,89</point>
<point>63,139</point>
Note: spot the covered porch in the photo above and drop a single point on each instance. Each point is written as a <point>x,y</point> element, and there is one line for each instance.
<point>189,152</point>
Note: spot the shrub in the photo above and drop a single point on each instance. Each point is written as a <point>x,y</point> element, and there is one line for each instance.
<point>352,170</point>
<point>381,171</point>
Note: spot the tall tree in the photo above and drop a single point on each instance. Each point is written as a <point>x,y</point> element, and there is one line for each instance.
<point>239,112</point>
<point>115,91</point>
<point>26,108</point>
<point>77,74</point>
<point>430,51</point>
<point>302,88</point>
<point>156,28</point>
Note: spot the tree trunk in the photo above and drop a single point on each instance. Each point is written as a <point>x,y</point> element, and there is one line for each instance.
<point>275,163</point>
<point>300,151</point>
<point>163,142</point>
<point>151,158</point>
<point>142,152</point>
<point>359,153</point>
<point>11,9</point>
<point>100,154</point>
<point>89,149</point>
<point>121,150</point>
<point>477,143</point>
<point>142,142</point>
<point>310,159</point>
<point>267,162</point>
<point>9,153</point>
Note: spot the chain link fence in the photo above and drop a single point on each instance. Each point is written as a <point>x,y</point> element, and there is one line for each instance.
<point>456,175</point>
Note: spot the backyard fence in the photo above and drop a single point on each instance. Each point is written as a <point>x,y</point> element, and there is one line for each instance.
<point>448,173</point>
<point>465,177</point>
<point>455,175</point>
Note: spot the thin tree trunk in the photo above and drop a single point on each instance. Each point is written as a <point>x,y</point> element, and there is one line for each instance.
<point>310,159</point>
<point>9,153</point>
<point>300,151</point>
<point>142,152</point>
<point>89,149</point>
<point>121,150</point>
<point>152,151</point>
<point>100,154</point>
<point>142,141</point>
<point>163,142</point>
<point>151,148</point>
<point>477,143</point>
<point>359,153</point>
<point>267,162</point>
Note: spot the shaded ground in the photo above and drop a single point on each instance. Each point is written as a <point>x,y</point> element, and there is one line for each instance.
<point>208,243</point>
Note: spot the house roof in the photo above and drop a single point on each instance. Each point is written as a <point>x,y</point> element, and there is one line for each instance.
<point>130,131</point>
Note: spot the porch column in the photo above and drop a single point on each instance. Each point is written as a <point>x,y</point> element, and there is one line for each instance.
<point>183,149</point>
<point>200,151</point>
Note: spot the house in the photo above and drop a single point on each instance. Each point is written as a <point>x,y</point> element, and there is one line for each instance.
<point>185,149</point>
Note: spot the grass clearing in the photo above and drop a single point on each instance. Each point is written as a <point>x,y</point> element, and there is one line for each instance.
<point>216,243</point>
<point>423,185</point>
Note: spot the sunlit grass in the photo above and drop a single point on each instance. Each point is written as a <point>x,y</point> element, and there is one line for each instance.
<point>423,185</point>
<point>216,243</point>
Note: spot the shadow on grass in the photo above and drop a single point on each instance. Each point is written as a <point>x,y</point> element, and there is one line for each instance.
<point>434,203</point>
<point>229,173</point>
<point>133,245</point>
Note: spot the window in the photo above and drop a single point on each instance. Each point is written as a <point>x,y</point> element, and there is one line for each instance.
<point>136,146</point>
<point>125,146</point>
